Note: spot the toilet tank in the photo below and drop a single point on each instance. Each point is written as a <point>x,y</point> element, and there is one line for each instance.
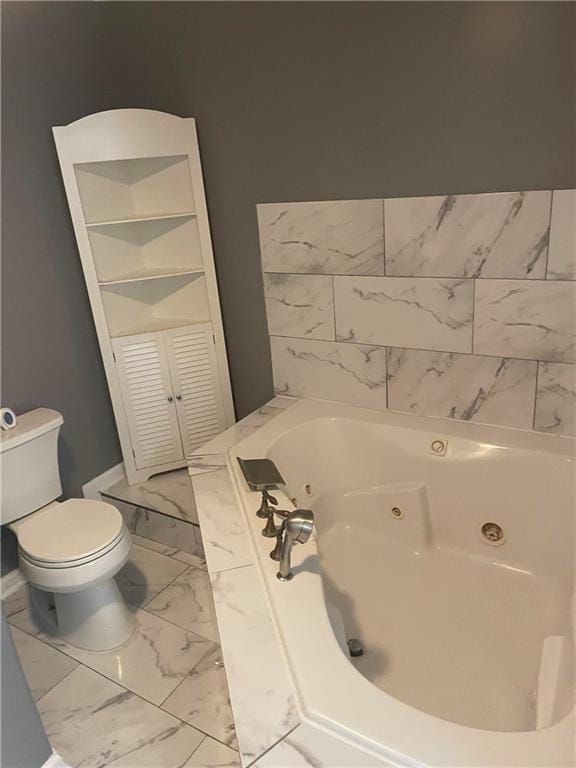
<point>29,469</point>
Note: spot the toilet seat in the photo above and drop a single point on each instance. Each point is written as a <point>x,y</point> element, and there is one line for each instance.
<point>70,534</point>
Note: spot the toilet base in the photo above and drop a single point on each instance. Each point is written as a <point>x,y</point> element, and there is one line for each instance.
<point>94,619</point>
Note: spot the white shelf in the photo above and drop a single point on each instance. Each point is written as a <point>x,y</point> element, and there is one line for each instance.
<point>159,324</point>
<point>151,274</point>
<point>136,218</point>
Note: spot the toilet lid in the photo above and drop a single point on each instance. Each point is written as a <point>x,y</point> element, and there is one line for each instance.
<point>72,530</point>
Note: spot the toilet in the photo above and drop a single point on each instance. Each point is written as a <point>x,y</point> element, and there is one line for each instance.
<point>69,551</point>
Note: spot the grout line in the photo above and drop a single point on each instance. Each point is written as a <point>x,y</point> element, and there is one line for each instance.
<point>289,733</point>
<point>535,395</point>
<point>520,279</point>
<point>334,304</point>
<point>549,236</point>
<point>149,509</point>
<point>473,317</point>
<point>423,349</point>
<point>78,664</point>
<point>384,235</point>
<point>191,755</point>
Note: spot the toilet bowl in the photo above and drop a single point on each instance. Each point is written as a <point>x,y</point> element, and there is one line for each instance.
<point>70,552</point>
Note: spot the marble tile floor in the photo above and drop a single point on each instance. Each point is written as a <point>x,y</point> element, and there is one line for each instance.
<point>159,701</point>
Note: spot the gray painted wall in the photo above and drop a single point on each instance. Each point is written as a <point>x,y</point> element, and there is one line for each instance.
<point>294,101</point>
<point>24,743</point>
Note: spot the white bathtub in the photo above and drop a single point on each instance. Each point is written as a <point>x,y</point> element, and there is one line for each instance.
<point>468,645</point>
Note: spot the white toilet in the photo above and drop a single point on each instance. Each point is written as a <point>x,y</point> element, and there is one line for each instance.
<point>69,551</point>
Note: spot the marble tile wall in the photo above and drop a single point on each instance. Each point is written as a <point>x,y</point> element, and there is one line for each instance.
<point>461,306</point>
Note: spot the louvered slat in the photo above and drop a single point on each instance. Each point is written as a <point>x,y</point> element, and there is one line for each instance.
<point>152,420</point>
<point>195,375</point>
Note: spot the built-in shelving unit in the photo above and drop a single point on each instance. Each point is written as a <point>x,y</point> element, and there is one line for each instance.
<point>134,186</point>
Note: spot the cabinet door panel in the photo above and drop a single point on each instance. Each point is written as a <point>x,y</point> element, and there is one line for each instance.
<point>196,384</point>
<point>146,385</point>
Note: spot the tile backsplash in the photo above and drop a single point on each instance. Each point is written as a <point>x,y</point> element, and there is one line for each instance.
<point>461,306</point>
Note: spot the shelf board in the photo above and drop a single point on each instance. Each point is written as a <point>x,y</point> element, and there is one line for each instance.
<point>150,274</point>
<point>136,218</point>
<point>160,324</point>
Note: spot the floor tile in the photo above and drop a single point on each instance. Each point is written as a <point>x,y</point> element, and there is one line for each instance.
<point>187,601</point>
<point>155,546</point>
<point>152,663</point>
<point>170,493</point>
<point>202,699</point>
<point>93,722</point>
<point>212,754</point>
<point>44,666</point>
<point>146,574</point>
<point>169,531</point>
<point>195,560</point>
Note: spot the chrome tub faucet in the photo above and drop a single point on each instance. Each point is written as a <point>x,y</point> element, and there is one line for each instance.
<point>295,529</point>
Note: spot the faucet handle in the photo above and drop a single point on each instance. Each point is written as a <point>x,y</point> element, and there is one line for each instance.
<point>265,510</point>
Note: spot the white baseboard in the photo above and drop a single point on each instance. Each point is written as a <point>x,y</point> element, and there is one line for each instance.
<point>92,488</point>
<point>11,582</point>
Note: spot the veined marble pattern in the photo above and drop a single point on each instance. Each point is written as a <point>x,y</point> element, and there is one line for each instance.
<point>308,747</point>
<point>490,235</point>
<point>556,399</point>
<point>202,700</point>
<point>345,237</point>
<point>93,722</point>
<point>146,574</point>
<point>44,667</point>
<point>351,373</point>
<point>169,531</point>
<point>427,313</point>
<point>225,539</point>
<point>562,251</point>
<point>151,664</point>
<point>483,389</point>
<point>187,602</point>
<point>162,549</point>
<point>534,320</point>
<point>300,305</point>
<point>213,754</point>
<point>170,493</point>
<point>261,694</point>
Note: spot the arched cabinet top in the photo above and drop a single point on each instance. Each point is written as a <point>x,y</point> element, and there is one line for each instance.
<point>121,134</point>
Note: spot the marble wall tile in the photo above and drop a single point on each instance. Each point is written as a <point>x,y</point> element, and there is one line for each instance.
<point>492,235</point>
<point>84,707</point>
<point>262,699</point>
<point>556,399</point>
<point>483,389</point>
<point>300,305</point>
<point>426,313</point>
<point>534,320</point>
<point>344,237</point>
<point>562,251</point>
<point>350,373</point>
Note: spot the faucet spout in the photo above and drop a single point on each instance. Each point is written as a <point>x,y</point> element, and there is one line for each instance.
<point>297,528</point>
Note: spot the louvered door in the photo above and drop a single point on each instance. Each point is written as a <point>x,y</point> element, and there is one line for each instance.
<point>148,399</point>
<point>196,384</point>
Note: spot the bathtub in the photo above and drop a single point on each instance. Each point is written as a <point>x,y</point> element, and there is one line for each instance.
<point>447,549</point>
